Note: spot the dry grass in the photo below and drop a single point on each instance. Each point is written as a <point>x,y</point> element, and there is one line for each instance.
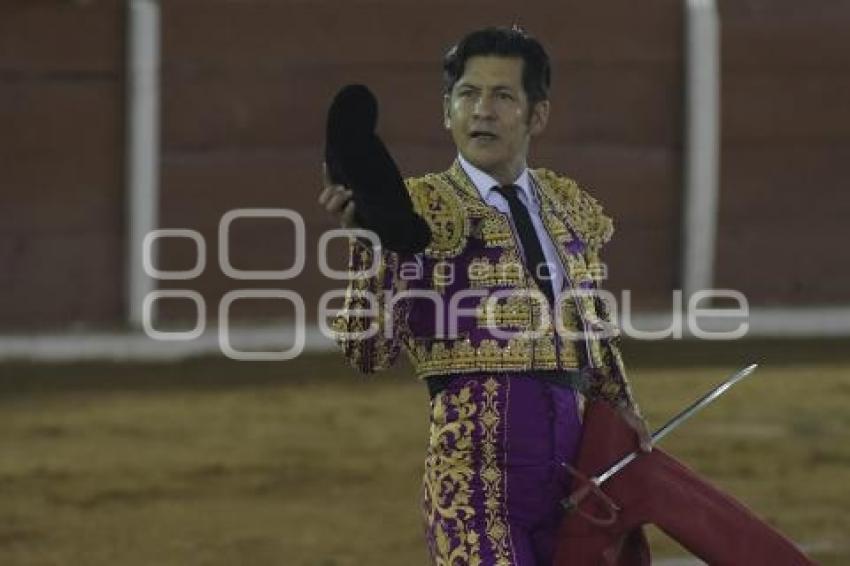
<point>303,463</point>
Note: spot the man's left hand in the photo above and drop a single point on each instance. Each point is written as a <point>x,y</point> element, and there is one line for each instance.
<point>639,425</point>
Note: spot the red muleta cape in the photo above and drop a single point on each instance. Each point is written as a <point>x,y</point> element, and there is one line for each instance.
<point>656,488</point>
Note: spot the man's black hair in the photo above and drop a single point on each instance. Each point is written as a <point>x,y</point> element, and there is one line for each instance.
<point>503,42</point>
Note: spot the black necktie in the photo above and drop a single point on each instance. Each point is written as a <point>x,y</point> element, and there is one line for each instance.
<point>528,238</point>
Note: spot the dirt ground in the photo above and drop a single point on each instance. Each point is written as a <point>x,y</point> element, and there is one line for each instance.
<point>213,463</point>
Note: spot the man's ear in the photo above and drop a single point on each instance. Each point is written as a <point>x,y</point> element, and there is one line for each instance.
<point>538,117</point>
<point>447,112</point>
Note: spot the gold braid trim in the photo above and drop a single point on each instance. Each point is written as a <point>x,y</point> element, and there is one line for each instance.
<point>498,532</point>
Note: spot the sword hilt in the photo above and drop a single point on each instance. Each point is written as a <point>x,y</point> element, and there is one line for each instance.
<point>573,503</point>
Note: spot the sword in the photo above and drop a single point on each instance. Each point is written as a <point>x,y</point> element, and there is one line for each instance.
<point>674,423</point>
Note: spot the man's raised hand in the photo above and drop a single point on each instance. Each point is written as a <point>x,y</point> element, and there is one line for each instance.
<point>337,200</point>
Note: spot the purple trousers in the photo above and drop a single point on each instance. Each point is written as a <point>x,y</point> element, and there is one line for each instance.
<point>494,473</point>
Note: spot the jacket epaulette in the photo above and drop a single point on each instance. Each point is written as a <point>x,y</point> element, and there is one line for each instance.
<point>594,227</point>
<point>439,204</point>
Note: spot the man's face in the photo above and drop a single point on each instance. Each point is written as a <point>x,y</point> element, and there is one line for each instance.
<point>488,115</point>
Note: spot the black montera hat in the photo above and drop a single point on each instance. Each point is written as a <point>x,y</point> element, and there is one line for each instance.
<point>357,158</point>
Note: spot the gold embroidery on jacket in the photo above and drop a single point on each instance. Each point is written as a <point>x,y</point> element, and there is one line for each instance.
<point>520,353</point>
<point>480,273</point>
<point>514,311</point>
<point>496,231</point>
<point>508,271</point>
<point>495,228</point>
<point>380,350</point>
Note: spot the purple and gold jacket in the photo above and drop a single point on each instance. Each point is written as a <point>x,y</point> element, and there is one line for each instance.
<point>467,304</point>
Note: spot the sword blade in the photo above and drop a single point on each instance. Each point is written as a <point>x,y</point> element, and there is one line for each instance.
<point>676,421</point>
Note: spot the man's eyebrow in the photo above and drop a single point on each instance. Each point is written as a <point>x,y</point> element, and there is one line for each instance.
<point>499,87</point>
